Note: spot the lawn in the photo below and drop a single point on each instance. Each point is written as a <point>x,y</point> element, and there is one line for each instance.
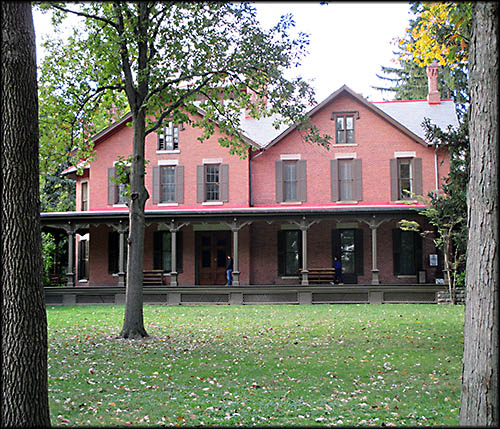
<point>257,365</point>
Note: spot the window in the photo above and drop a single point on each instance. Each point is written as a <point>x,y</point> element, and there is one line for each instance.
<point>407,252</point>
<point>83,260</point>
<point>290,180</point>
<point>344,128</point>
<point>291,184</point>
<point>114,253</point>
<point>212,183</point>
<point>168,137</point>
<point>162,251</point>
<point>117,193</point>
<point>167,184</point>
<point>406,178</point>
<point>346,179</point>
<point>84,200</point>
<point>289,252</point>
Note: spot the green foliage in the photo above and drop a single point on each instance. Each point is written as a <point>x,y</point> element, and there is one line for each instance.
<point>280,365</point>
<point>48,249</point>
<point>196,57</point>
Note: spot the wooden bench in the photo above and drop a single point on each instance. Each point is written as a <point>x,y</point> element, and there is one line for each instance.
<point>153,277</point>
<point>319,275</point>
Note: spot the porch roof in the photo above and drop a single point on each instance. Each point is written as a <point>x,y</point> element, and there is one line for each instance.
<point>214,213</point>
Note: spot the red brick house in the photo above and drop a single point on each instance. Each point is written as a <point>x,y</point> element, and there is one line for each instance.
<point>287,208</point>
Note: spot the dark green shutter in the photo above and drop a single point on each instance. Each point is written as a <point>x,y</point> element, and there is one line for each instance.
<point>417,176</point>
<point>156,185</point>
<point>224,182</point>
<point>179,184</point>
<point>357,190</point>
<point>281,252</point>
<point>394,179</point>
<point>396,250</point>
<point>179,246</point>
<point>200,183</point>
<point>335,244</point>
<point>418,251</point>
<point>334,171</point>
<point>279,181</point>
<point>112,192</point>
<point>359,249</point>
<point>157,250</point>
<point>302,181</point>
<point>113,252</point>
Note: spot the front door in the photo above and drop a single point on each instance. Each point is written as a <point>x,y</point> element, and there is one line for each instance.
<point>212,250</point>
<point>348,246</point>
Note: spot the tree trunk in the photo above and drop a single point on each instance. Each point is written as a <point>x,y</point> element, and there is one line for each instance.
<point>479,402</point>
<point>24,321</point>
<point>133,326</point>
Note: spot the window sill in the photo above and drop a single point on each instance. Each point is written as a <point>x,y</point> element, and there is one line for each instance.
<point>405,201</point>
<point>168,204</point>
<point>347,202</point>
<point>165,152</point>
<point>212,203</point>
<point>345,144</point>
<point>83,281</point>
<point>290,202</point>
<point>119,205</point>
<point>289,277</point>
<point>407,276</point>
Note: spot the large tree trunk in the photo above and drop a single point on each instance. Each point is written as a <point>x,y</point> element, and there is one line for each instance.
<point>133,326</point>
<point>24,320</point>
<point>479,404</point>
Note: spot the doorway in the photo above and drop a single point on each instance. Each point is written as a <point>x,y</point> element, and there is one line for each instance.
<point>348,246</point>
<point>212,248</point>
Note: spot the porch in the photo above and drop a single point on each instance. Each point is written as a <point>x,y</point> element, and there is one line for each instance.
<point>251,295</point>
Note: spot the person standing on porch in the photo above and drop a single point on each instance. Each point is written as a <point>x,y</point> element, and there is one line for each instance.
<point>337,275</point>
<point>229,270</point>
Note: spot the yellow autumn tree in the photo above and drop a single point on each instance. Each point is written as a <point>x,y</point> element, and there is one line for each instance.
<point>439,33</point>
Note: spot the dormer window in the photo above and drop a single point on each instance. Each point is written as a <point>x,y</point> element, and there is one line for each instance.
<point>344,126</point>
<point>168,137</point>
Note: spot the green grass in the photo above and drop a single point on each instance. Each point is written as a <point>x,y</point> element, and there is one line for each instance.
<point>257,365</point>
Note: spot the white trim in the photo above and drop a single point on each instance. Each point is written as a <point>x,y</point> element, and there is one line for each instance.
<point>119,205</point>
<point>167,151</point>
<point>168,162</point>
<point>211,227</point>
<point>289,227</point>
<point>344,144</point>
<point>405,154</point>
<point>347,202</point>
<point>168,204</point>
<point>212,203</point>
<point>345,155</point>
<point>290,157</point>
<point>290,203</point>
<point>212,161</point>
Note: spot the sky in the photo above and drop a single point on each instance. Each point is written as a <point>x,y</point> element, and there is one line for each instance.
<point>349,41</point>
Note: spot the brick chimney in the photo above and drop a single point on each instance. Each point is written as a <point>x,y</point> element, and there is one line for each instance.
<point>434,96</point>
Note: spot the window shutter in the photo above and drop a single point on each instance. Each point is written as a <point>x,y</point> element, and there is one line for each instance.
<point>200,182</point>
<point>417,176</point>
<point>302,180</point>
<point>396,250</point>
<point>281,252</point>
<point>157,250</point>
<point>279,181</point>
<point>179,184</point>
<point>359,249</point>
<point>156,185</point>
<point>418,251</point>
<point>179,246</point>
<point>357,190</point>
<point>224,181</point>
<point>113,252</point>
<point>112,192</point>
<point>335,244</point>
<point>334,169</point>
<point>394,179</point>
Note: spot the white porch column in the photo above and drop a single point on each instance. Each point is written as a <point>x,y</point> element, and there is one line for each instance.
<point>70,282</point>
<point>375,271</point>
<point>174,228</point>
<point>235,226</point>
